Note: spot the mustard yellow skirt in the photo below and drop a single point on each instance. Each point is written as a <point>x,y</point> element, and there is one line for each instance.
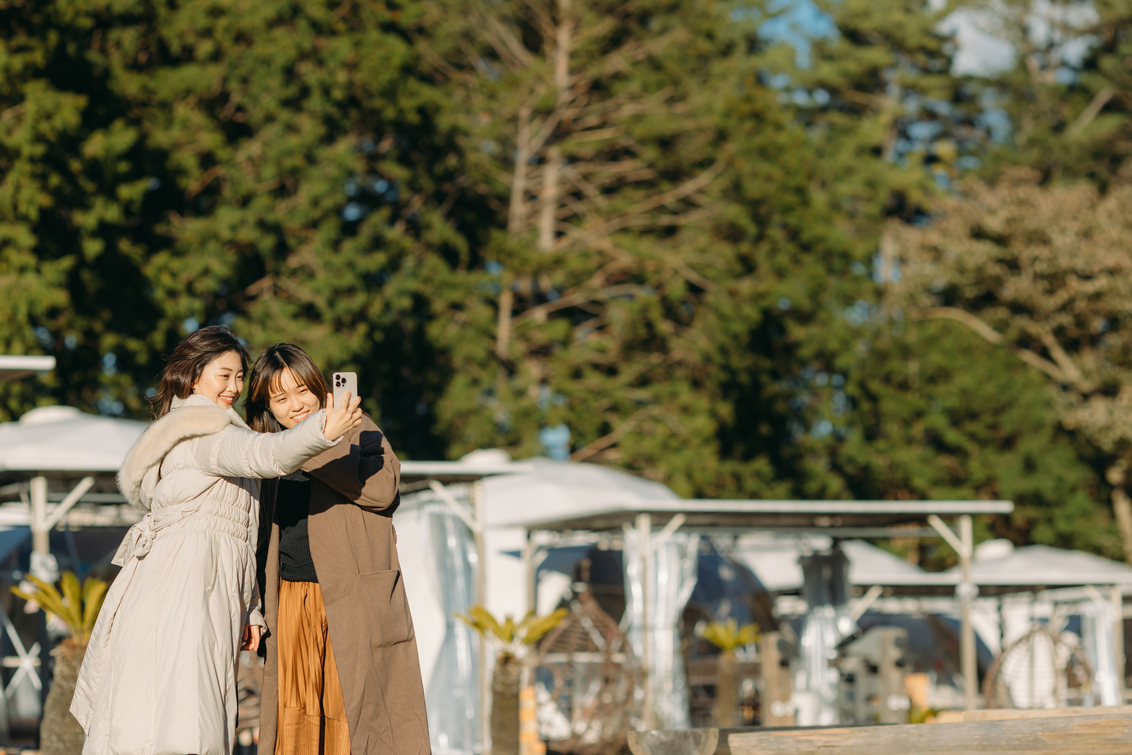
<point>312,714</point>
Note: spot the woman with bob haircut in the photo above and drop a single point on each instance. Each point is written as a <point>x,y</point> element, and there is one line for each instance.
<point>342,674</point>
<point>159,674</point>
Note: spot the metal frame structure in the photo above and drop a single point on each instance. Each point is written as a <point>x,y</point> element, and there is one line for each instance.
<point>838,518</point>
<point>16,367</point>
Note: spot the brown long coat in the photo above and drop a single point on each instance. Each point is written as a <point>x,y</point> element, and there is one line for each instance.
<point>354,547</point>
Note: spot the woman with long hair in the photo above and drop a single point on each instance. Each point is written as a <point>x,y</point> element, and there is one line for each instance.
<point>159,674</point>
<point>342,674</point>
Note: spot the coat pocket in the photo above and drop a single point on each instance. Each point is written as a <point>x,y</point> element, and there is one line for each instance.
<point>384,593</point>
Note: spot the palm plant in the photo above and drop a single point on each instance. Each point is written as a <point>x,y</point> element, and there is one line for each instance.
<point>728,636</point>
<point>514,641</point>
<point>77,607</point>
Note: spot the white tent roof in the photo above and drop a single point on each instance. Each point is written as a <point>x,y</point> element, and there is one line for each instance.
<point>63,439</point>
<point>775,562</point>
<point>1043,566</point>
<point>555,490</point>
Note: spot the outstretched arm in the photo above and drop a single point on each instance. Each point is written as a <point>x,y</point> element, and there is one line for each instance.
<point>238,452</point>
<point>362,467</point>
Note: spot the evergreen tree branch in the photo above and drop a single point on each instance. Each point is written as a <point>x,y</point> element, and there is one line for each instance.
<point>631,216</point>
<point>573,300</point>
<point>609,439</point>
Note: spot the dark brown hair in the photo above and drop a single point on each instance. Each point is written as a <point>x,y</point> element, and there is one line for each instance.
<point>185,365</point>
<point>265,374</point>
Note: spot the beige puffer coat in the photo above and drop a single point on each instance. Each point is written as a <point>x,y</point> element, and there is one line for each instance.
<point>160,670</point>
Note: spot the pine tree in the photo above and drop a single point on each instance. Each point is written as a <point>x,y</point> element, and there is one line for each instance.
<point>1066,93</point>
<point>284,171</point>
<point>77,202</point>
<point>658,260</point>
<point>313,163</point>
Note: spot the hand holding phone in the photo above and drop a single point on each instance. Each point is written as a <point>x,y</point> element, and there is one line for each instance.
<point>343,406</point>
<point>343,383</point>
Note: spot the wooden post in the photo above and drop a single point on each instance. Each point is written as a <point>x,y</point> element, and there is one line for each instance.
<point>777,688</point>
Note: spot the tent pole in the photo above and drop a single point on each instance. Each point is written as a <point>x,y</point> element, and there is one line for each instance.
<point>39,532</point>
<point>63,507</point>
<point>965,592</point>
<point>481,600</point>
<point>1118,637</point>
<point>43,567</point>
<point>529,550</point>
<point>967,641</point>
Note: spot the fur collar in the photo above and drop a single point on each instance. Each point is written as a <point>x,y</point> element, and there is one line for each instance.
<point>192,417</point>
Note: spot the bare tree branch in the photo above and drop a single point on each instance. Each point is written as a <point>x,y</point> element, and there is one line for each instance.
<point>1092,111</point>
<point>993,336</point>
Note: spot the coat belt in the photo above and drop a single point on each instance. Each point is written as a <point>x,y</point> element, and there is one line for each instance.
<point>139,538</point>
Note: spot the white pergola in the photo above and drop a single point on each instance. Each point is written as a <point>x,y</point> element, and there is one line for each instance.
<point>840,519</point>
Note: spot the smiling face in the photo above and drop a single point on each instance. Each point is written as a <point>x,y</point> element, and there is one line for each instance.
<point>222,379</point>
<point>290,401</point>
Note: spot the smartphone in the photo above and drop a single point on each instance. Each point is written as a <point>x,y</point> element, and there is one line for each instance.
<point>344,382</point>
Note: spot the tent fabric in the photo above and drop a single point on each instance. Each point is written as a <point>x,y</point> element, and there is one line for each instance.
<point>827,623</point>
<point>658,602</point>
<point>560,489</point>
<point>1044,566</point>
<point>776,562</point>
<point>453,691</point>
<point>63,439</point>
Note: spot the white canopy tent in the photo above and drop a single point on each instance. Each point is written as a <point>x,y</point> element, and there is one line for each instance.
<point>64,439</point>
<point>445,533</point>
<point>1049,574</point>
<point>52,459</point>
<point>658,532</point>
<point>73,450</point>
<point>1042,567</point>
<point>1012,587</point>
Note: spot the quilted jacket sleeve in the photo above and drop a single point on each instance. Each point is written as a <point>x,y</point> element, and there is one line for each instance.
<point>239,452</point>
